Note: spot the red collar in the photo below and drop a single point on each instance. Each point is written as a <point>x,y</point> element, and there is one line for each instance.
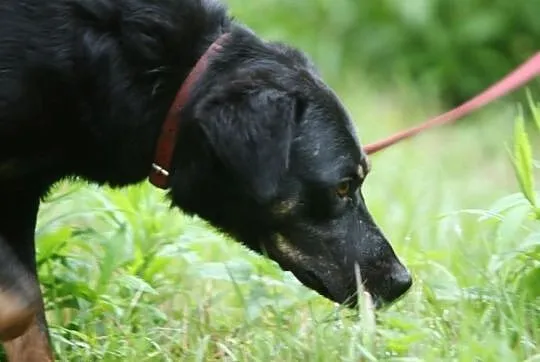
<point>159,175</point>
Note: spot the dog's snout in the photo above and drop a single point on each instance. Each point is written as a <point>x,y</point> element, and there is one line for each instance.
<point>400,280</point>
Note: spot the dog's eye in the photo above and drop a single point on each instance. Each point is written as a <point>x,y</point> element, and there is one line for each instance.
<point>343,189</point>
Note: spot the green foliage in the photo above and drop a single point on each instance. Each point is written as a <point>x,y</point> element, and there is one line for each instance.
<point>521,268</point>
<point>523,162</point>
<point>454,47</point>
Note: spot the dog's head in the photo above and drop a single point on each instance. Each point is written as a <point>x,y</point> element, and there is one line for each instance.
<point>267,153</point>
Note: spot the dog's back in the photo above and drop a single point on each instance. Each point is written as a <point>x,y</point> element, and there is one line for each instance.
<point>34,59</point>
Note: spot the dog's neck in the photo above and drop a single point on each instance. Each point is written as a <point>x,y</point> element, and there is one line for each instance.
<point>122,91</point>
<point>159,175</point>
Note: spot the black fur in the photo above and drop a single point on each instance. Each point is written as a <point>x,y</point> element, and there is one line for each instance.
<point>263,143</point>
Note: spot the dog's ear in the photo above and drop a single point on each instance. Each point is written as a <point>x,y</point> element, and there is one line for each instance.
<point>251,134</point>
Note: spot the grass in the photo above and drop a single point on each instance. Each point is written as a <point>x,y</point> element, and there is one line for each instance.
<point>127,279</point>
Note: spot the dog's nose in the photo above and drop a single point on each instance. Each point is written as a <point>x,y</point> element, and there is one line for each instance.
<point>399,282</point>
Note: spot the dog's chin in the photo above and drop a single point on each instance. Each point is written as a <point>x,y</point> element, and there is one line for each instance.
<point>310,280</point>
<point>332,288</point>
<point>332,291</point>
<point>347,297</point>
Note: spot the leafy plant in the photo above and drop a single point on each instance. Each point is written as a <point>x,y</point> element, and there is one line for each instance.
<point>522,268</point>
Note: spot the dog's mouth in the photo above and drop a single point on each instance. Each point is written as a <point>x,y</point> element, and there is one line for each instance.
<point>349,295</point>
<point>331,288</point>
<point>311,280</point>
<point>347,298</point>
<point>329,283</point>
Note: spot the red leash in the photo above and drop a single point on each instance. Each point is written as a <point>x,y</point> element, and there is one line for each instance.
<point>520,76</point>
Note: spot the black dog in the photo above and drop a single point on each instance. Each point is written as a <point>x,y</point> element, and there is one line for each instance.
<point>264,150</point>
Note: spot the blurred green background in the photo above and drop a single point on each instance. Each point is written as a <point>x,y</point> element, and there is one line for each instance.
<point>454,48</point>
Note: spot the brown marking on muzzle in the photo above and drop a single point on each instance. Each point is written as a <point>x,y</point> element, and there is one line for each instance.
<point>284,207</point>
<point>288,249</point>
